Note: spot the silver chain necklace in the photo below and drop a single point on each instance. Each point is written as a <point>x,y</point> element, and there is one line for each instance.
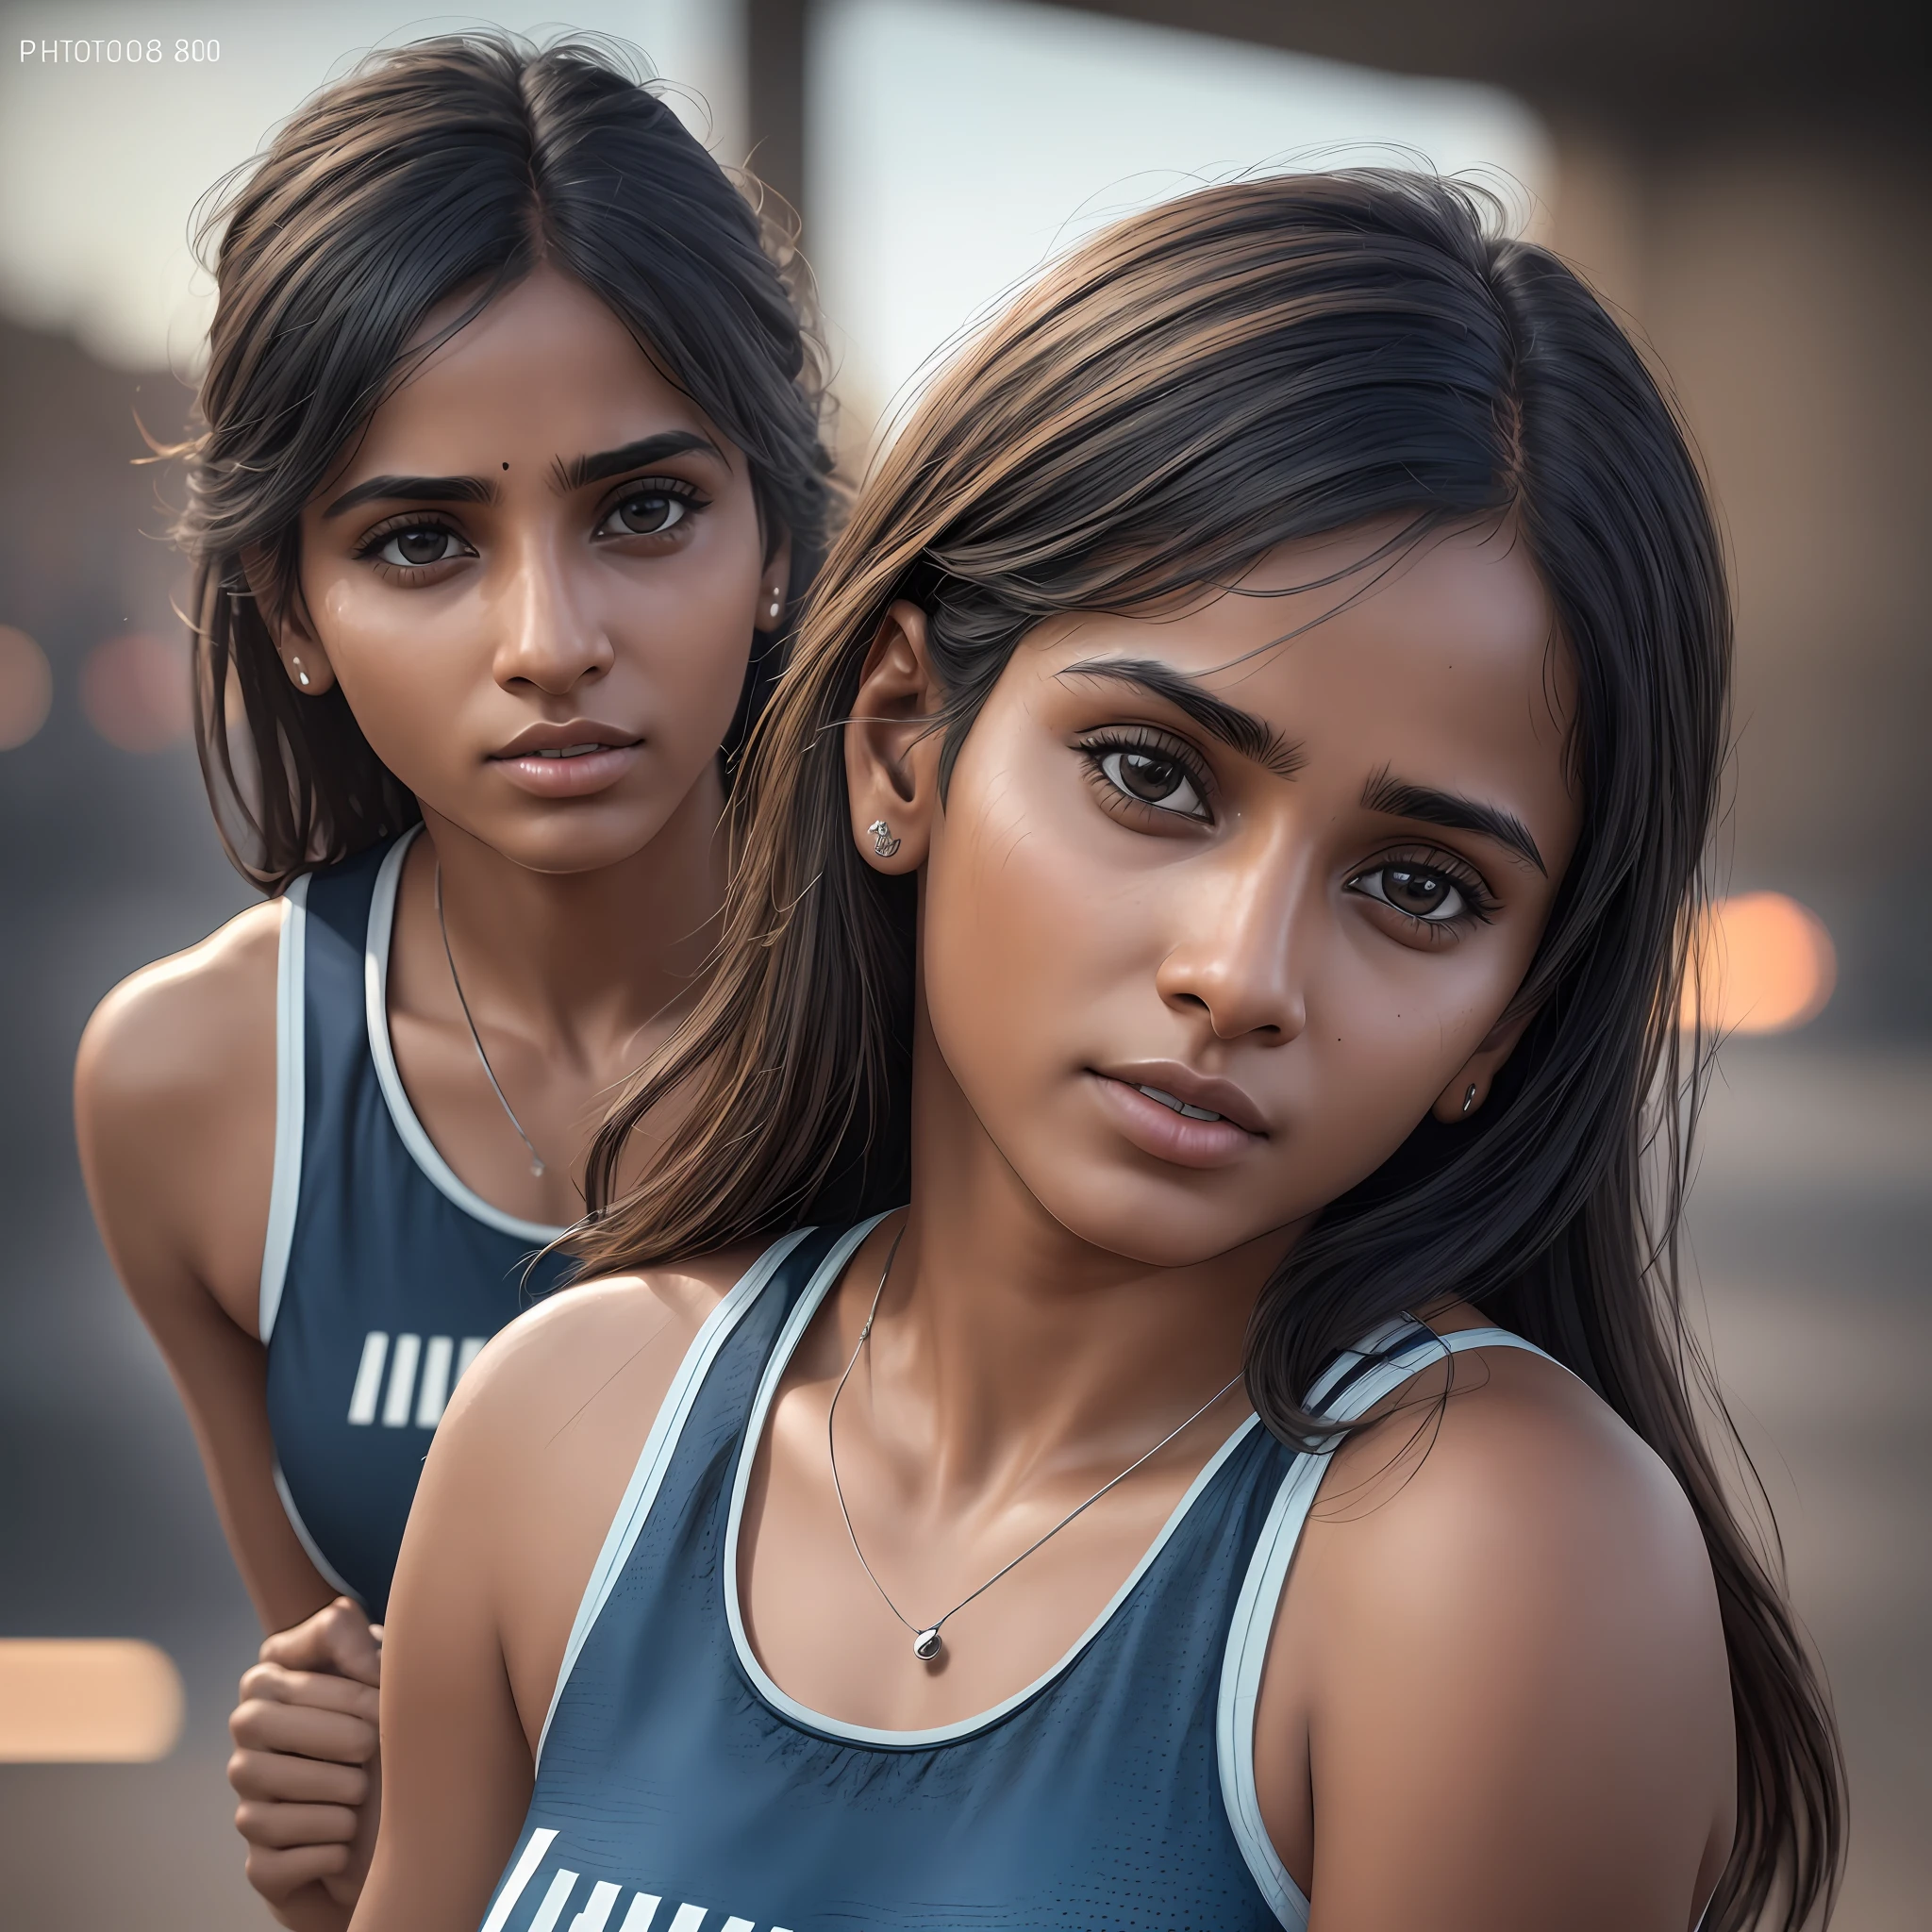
<point>927,1641</point>
<point>489,1072</point>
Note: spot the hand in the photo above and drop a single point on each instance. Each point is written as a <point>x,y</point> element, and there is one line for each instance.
<point>305,1766</point>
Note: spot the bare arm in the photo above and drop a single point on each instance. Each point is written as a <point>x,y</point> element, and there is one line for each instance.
<point>1497,1697</point>
<point>175,1108</point>
<point>523,1476</point>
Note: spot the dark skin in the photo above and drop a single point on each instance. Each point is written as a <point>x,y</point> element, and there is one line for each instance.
<point>538,542</point>
<point>1496,1696</point>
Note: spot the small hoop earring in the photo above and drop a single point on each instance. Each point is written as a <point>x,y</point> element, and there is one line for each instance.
<point>1469,1098</point>
<point>882,840</point>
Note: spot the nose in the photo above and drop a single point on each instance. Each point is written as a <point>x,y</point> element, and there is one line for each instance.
<point>1238,964</point>
<point>546,634</point>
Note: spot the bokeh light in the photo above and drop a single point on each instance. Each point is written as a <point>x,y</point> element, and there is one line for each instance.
<point>69,1699</point>
<point>135,691</point>
<point>27,688</point>
<point>1765,964</point>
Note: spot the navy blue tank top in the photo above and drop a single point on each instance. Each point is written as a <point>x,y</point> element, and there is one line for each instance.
<point>679,1790</point>
<point>382,1274</point>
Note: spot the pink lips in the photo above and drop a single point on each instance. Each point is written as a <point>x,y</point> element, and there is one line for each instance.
<point>1158,1128</point>
<point>567,761</point>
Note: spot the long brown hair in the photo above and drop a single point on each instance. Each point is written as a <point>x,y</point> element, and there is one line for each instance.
<point>1251,364</point>
<point>455,165</point>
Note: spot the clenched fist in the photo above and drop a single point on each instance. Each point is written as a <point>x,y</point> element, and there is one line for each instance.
<point>306,1768</point>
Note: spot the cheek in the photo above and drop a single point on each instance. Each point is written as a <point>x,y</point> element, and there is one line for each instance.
<point>1381,1080</point>
<point>687,624</point>
<point>1023,941</point>
<point>380,639</point>
<point>400,663</point>
<point>1382,1045</point>
<point>687,635</point>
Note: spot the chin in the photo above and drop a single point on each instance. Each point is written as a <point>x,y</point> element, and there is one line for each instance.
<point>1159,1225</point>
<point>587,836</point>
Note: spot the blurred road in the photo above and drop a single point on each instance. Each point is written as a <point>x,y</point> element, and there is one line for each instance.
<point>1812,1223</point>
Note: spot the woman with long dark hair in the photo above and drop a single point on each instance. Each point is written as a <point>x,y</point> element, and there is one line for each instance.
<point>507,480</point>
<point>1237,805</point>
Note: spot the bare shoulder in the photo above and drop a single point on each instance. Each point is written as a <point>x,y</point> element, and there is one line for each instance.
<point>532,1458</point>
<point>592,1358</point>
<point>1499,1453</point>
<point>183,1028</point>
<point>1500,1518</point>
<point>1501,1645</point>
<point>174,1113</point>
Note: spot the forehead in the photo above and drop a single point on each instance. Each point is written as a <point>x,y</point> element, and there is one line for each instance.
<point>546,370</point>
<point>1440,662</point>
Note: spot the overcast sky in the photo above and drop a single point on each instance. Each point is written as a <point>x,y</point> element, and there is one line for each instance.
<point>956,143</point>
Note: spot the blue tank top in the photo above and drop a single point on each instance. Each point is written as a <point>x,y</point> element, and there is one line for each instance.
<point>679,1790</point>
<point>382,1274</point>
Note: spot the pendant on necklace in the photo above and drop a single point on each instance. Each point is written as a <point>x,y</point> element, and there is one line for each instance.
<point>536,1165</point>
<point>928,1644</point>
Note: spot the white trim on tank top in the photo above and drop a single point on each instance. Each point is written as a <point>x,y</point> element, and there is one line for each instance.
<point>310,1548</point>
<point>1253,1625</point>
<point>382,915</point>
<point>939,1734</point>
<point>654,1459</point>
<point>285,1190</point>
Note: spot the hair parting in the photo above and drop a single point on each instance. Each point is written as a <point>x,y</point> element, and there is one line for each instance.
<point>453,165</point>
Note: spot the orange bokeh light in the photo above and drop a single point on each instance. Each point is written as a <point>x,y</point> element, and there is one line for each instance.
<point>1765,964</point>
<point>87,1700</point>
<point>27,688</point>
<point>135,692</point>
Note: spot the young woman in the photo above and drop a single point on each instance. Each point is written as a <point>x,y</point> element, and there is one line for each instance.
<point>1251,752</point>
<point>509,476</point>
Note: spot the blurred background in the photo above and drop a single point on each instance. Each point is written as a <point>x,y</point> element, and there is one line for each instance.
<point>1747,184</point>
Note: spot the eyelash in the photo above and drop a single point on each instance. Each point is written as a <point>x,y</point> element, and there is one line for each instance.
<point>1101,745</point>
<point>401,525</point>
<point>675,487</point>
<point>1479,902</point>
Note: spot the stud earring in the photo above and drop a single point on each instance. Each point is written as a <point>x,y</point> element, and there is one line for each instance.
<point>301,675</point>
<point>882,840</point>
<point>777,602</point>
<point>1469,1098</point>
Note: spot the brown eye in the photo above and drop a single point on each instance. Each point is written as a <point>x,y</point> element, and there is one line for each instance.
<point>421,544</point>
<point>1151,779</point>
<point>647,513</point>
<point>1424,894</point>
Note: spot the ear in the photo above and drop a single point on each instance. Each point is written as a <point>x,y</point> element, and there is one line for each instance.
<point>773,581</point>
<point>1465,1094</point>
<point>891,750</point>
<point>296,645</point>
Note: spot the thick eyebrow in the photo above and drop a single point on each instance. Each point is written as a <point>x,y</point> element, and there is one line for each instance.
<point>573,474</point>
<point>1429,807</point>
<point>579,470</point>
<point>1253,738</point>
<point>413,490</point>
